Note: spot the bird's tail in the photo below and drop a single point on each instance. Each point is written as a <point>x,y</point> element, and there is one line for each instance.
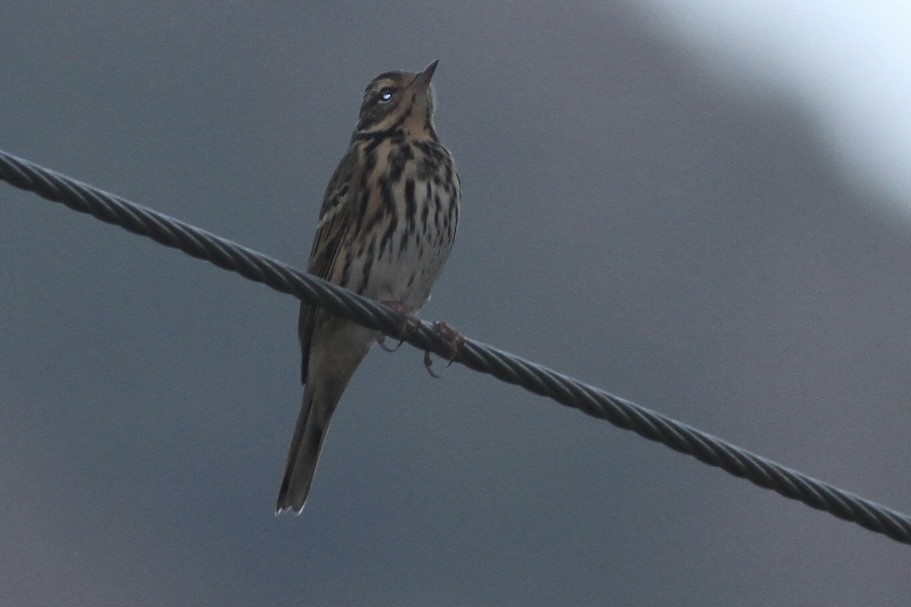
<point>312,424</point>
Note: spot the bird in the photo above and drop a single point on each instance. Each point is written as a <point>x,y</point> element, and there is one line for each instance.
<point>386,227</point>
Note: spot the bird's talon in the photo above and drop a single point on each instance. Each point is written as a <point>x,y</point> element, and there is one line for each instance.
<point>381,340</point>
<point>452,335</point>
<point>410,320</point>
<point>428,364</point>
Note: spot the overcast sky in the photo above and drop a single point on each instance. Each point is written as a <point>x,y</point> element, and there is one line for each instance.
<point>700,206</point>
<point>846,62</point>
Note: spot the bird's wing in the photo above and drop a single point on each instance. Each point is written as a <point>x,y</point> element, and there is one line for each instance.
<point>334,220</point>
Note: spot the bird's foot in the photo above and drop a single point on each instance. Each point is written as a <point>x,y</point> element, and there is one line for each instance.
<point>381,341</point>
<point>410,322</point>
<point>451,335</point>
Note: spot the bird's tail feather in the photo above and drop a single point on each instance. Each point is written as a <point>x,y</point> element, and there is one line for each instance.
<point>312,423</point>
<point>339,346</point>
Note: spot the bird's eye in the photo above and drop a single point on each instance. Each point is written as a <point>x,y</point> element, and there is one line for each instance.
<point>386,94</point>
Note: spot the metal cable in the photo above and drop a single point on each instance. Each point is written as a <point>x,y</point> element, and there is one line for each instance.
<point>473,354</point>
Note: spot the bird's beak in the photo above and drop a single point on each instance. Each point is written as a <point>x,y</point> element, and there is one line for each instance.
<point>422,80</point>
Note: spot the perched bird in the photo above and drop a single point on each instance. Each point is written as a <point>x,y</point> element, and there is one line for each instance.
<point>386,227</point>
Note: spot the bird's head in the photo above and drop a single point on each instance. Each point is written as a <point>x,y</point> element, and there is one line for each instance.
<point>398,101</point>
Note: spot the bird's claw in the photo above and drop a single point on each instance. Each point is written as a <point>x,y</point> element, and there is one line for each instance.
<point>428,364</point>
<point>452,335</point>
<point>410,320</point>
<point>410,323</point>
<point>455,339</point>
<point>381,341</point>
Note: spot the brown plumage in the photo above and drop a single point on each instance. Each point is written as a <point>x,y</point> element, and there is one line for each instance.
<point>386,227</point>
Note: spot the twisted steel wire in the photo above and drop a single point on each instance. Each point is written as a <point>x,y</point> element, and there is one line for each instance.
<point>473,354</point>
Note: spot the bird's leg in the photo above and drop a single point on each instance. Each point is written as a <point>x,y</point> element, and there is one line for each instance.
<point>410,321</point>
<point>428,364</point>
<point>455,339</point>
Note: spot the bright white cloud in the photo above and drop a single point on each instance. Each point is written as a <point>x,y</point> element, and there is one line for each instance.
<point>847,61</point>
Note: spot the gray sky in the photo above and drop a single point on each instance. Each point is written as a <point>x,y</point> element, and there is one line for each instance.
<point>640,210</point>
<point>847,63</point>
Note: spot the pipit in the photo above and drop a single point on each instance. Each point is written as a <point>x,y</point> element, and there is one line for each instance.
<point>386,227</point>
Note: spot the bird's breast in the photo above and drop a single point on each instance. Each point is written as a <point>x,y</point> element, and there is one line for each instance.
<point>410,207</point>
